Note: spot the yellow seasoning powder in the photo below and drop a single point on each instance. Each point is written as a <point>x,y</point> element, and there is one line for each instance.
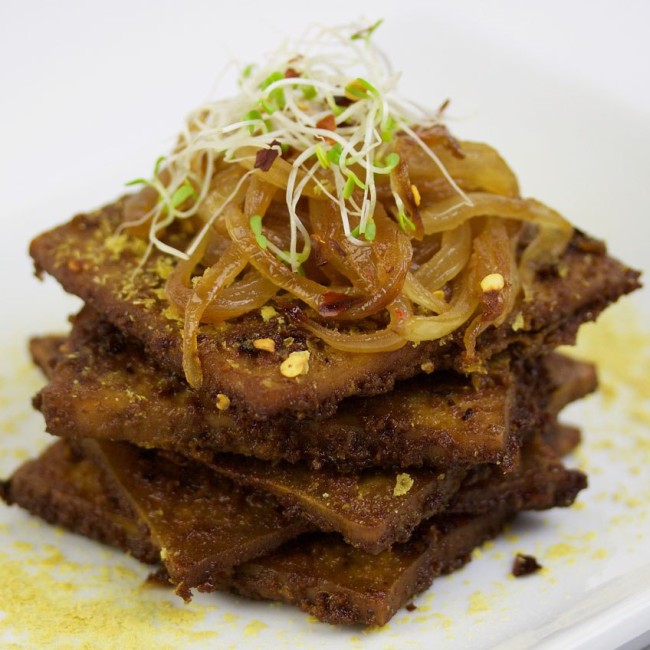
<point>52,602</point>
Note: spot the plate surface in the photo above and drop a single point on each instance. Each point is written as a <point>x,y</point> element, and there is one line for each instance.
<point>94,102</point>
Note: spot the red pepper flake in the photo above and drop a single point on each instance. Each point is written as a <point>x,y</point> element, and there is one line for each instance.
<point>291,73</point>
<point>525,565</point>
<point>328,122</point>
<point>334,303</point>
<point>401,314</point>
<point>264,158</point>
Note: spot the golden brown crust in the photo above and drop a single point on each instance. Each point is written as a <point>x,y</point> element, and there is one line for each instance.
<point>63,487</point>
<point>320,573</point>
<point>206,524</point>
<point>371,513</point>
<point>78,255</point>
<point>100,370</point>
<point>105,388</point>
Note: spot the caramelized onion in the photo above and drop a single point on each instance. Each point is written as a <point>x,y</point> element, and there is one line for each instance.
<point>377,272</point>
<point>384,340</point>
<point>417,293</point>
<point>493,256</point>
<point>461,308</point>
<point>449,261</point>
<point>208,287</point>
<point>267,264</point>
<point>462,239</point>
<point>242,296</point>
<point>251,292</point>
<point>222,186</point>
<point>278,174</point>
<point>451,213</point>
<point>480,169</point>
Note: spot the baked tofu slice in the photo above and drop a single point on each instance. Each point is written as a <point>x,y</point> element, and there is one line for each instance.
<point>321,574</point>
<point>203,524</point>
<point>90,260</point>
<point>105,387</point>
<point>371,508</point>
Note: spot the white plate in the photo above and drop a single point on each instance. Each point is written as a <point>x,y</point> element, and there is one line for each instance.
<point>91,103</point>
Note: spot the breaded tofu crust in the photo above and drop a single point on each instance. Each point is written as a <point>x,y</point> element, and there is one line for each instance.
<point>90,260</point>
<point>318,572</point>
<point>372,508</point>
<point>104,387</point>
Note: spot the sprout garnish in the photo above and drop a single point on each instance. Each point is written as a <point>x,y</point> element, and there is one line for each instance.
<point>335,127</point>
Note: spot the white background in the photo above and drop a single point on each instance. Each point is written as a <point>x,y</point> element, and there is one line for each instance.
<point>92,92</point>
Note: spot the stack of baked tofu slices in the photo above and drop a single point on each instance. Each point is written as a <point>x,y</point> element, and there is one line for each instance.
<point>344,488</point>
<point>317,357</point>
